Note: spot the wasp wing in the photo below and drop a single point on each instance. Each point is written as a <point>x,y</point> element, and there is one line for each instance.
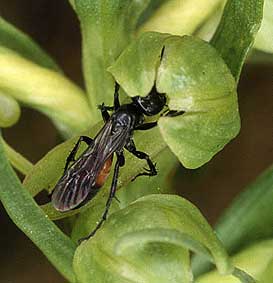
<point>77,185</point>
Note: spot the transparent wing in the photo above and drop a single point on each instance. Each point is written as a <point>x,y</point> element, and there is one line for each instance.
<point>78,182</point>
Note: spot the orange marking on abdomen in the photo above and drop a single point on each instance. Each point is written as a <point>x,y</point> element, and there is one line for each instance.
<point>104,172</point>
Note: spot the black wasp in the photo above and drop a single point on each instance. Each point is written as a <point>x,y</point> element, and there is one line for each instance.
<point>88,173</point>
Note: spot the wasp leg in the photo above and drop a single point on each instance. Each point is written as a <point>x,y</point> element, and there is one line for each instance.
<point>173,113</point>
<point>116,97</point>
<point>168,113</point>
<point>142,155</point>
<point>104,109</point>
<point>71,156</point>
<point>146,126</point>
<point>119,163</point>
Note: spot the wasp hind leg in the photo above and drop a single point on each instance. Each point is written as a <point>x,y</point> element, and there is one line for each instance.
<point>71,157</point>
<point>142,155</point>
<point>119,163</point>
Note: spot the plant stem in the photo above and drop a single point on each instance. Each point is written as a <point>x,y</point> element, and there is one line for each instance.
<point>17,160</point>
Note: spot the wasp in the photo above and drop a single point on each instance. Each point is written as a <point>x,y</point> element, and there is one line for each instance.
<point>82,180</point>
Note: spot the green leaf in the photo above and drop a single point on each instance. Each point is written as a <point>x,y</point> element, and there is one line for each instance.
<point>16,40</point>
<point>180,17</point>
<point>264,39</point>
<point>46,91</point>
<point>150,242</point>
<point>9,111</point>
<point>17,160</point>
<point>28,217</point>
<point>236,32</point>
<point>256,260</point>
<point>196,80</point>
<point>107,27</point>
<point>253,210</point>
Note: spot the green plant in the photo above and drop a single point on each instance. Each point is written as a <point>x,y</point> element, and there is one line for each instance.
<point>199,78</point>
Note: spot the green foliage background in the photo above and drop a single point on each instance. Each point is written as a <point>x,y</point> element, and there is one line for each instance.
<point>199,78</point>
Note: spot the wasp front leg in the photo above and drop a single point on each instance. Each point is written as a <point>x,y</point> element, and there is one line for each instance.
<point>104,111</point>
<point>104,108</point>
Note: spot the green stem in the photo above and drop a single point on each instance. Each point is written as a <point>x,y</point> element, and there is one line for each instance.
<point>18,161</point>
<point>72,3</point>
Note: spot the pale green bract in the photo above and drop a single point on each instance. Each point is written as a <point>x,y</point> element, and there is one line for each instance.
<point>30,77</point>
<point>9,110</point>
<point>196,80</point>
<point>14,39</point>
<point>180,17</point>
<point>44,90</point>
<point>264,39</point>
